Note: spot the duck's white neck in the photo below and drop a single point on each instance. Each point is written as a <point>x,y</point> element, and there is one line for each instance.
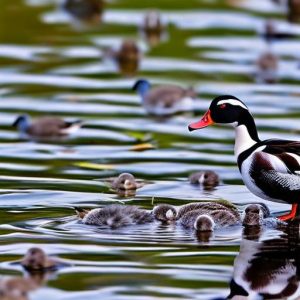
<point>243,140</point>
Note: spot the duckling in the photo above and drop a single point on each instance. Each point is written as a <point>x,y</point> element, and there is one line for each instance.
<point>294,11</point>
<point>254,214</point>
<point>115,216</point>
<point>153,27</point>
<point>16,288</point>
<point>209,206</point>
<point>208,179</point>
<point>37,260</point>
<point>125,181</point>
<point>165,212</point>
<point>164,100</point>
<point>46,126</point>
<point>85,10</point>
<point>267,68</point>
<point>208,220</point>
<point>127,57</point>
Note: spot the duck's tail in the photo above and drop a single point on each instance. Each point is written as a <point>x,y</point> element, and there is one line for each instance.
<point>81,212</point>
<point>204,223</point>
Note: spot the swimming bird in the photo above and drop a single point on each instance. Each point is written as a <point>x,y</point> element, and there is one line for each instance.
<point>37,260</point>
<point>254,214</point>
<point>165,212</point>
<point>207,179</point>
<point>153,27</point>
<point>115,216</point>
<point>267,67</point>
<point>85,10</point>
<point>165,99</point>
<point>270,168</point>
<point>125,181</point>
<point>201,216</point>
<point>46,126</point>
<point>127,57</point>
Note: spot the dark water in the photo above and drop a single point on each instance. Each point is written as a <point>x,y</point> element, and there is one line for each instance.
<point>51,65</point>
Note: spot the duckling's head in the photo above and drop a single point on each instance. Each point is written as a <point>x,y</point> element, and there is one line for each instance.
<point>142,86</point>
<point>253,215</point>
<point>125,181</point>
<point>22,122</point>
<point>165,212</point>
<point>34,259</point>
<point>129,47</point>
<point>204,223</point>
<point>208,179</point>
<point>152,20</point>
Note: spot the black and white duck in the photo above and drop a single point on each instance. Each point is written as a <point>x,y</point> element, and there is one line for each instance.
<point>270,169</point>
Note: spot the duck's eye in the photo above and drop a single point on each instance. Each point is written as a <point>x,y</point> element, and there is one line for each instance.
<point>222,106</point>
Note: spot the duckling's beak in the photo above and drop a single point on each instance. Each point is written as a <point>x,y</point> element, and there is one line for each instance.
<point>204,122</point>
<point>129,185</point>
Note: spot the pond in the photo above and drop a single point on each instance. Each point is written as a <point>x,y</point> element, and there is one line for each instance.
<point>54,65</point>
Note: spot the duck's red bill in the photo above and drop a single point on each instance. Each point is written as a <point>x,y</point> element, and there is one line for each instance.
<point>204,122</point>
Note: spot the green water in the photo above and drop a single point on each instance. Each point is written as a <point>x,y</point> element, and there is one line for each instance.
<point>52,66</point>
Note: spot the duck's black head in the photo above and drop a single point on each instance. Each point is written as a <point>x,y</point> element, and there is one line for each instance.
<point>225,109</point>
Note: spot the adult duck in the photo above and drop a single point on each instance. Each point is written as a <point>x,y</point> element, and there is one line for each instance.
<point>45,127</point>
<point>270,169</point>
<point>165,99</point>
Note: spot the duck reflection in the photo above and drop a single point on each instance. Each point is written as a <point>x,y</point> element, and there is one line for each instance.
<point>267,269</point>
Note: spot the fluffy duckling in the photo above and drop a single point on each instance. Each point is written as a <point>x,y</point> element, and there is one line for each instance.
<point>255,213</point>
<point>267,68</point>
<point>164,100</point>
<point>165,213</point>
<point>125,181</point>
<point>202,216</point>
<point>207,179</point>
<point>294,11</point>
<point>127,57</point>
<point>153,27</point>
<point>210,217</point>
<point>85,10</point>
<point>115,216</point>
<point>16,288</point>
<point>46,126</point>
<point>37,260</point>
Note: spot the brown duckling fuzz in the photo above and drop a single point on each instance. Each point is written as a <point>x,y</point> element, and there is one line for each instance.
<point>37,260</point>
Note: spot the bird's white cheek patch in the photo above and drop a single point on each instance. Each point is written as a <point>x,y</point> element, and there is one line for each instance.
<point>232,102</point>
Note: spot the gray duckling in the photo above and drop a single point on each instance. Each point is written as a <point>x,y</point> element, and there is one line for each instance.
<point>125,181</point>
<point>37,260</point>
<point>207,179</point>
<point>115,216</point>
<point>209,218</point>
<point>254,214</point>
<point>164,100</point>
<point>165,213</point>
<point>45,126</point>
<point>201,216</point>
<point>267,67</point>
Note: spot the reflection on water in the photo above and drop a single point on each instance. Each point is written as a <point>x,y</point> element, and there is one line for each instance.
<point>55,62</point>
<point>267,267</point>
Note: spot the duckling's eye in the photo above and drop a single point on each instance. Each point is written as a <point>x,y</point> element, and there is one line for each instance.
<point>222,106</point>
<point>205,176</point>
